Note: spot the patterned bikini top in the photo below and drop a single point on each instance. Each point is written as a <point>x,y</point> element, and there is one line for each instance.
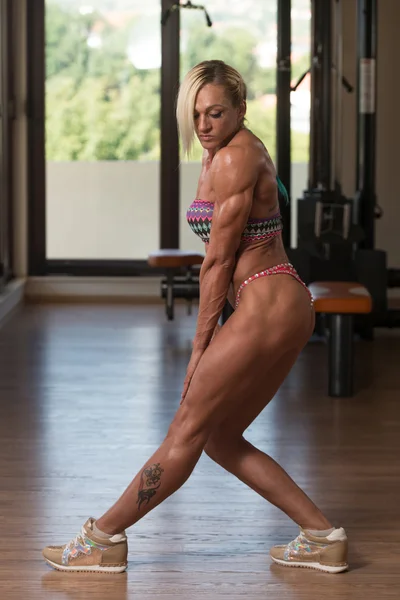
<point>200,212</point>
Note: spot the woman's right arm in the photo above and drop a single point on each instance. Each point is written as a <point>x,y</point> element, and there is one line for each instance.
<point>231,295</point>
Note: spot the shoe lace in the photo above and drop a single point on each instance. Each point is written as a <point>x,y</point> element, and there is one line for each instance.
<point>300,539</point>
<point>80,538</point>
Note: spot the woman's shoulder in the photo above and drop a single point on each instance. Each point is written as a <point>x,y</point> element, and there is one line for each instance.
<point>245,149</point>
<point>259,151</point>
<point>231,157</point>
<point>234,168</point>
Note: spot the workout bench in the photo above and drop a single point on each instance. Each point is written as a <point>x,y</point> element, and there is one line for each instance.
<point>176,285</point>
<point>341,301</point>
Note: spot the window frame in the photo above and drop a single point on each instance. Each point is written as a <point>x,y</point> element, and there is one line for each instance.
<point>38,263</point>
<point>7,108</point>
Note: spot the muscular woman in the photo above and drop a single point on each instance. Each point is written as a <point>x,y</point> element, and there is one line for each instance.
<point>234,371</point>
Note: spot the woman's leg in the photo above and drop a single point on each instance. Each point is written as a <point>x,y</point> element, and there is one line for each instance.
<point>245,351</point>
<point>319,545</point>
<point>227,447</point>
<point>165,472</point>
<point>222,379</point>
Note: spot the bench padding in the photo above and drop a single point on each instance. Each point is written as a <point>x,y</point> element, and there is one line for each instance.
<point>172,258</point>
<point>341,297</point>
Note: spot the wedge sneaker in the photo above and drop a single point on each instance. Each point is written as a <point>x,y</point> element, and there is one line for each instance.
<point>89,553</point>
<point>328,554</point>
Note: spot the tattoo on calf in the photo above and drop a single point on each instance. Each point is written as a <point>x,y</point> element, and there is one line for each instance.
<point>149,483</point>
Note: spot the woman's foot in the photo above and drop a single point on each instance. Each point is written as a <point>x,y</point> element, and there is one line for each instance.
<point>327,554</point>
<point>90,552</point>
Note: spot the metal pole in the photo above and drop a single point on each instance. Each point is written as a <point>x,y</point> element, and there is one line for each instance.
<point>170,184</point>
<point>3,142</point>
<point>336,180</point>
<point>312,169</point>
<point>36,151</point>
<point>341,356</point>
<point>326,105</point>
<point>366,149</point>
<point>321,96</point>
<point>283,138</point>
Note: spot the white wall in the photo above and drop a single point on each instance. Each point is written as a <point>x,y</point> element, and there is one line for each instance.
<point>102,209</point>
<point>110,209</point>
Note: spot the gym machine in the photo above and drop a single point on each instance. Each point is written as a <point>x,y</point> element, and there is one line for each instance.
<point>336,235</point>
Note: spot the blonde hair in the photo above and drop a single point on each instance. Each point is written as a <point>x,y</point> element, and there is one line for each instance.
<point>209,71</point>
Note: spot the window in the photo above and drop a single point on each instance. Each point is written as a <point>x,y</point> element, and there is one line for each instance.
<point>300,105</point>
<point>5,142</point>
<point>103,64</point>
<point>97,210</point>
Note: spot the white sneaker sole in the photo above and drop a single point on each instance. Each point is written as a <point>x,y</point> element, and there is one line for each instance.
<point>88,568</point>
<point>311,565</point>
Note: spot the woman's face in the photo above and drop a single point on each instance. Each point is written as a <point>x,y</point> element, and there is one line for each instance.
<point>215,118</point>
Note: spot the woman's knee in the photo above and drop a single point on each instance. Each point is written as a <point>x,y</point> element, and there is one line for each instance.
<point>223,447</point>
<point>187,429</point>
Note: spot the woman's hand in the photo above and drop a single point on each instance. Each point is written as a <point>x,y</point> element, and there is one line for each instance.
<point>194,361</point>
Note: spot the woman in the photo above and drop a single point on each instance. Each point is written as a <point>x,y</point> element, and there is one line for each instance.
<point>235,370</point>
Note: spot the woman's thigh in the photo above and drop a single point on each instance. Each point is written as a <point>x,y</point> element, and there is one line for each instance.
<point>245,358</point>
<point>263,390</point>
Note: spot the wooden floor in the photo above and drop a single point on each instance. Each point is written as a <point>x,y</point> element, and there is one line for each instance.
<point>86,395</point>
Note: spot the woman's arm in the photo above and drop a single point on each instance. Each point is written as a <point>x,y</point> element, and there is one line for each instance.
<point>231,295</point>
<point>233,178</point>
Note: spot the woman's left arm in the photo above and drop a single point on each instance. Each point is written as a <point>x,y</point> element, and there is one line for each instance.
<point>233,178</point>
